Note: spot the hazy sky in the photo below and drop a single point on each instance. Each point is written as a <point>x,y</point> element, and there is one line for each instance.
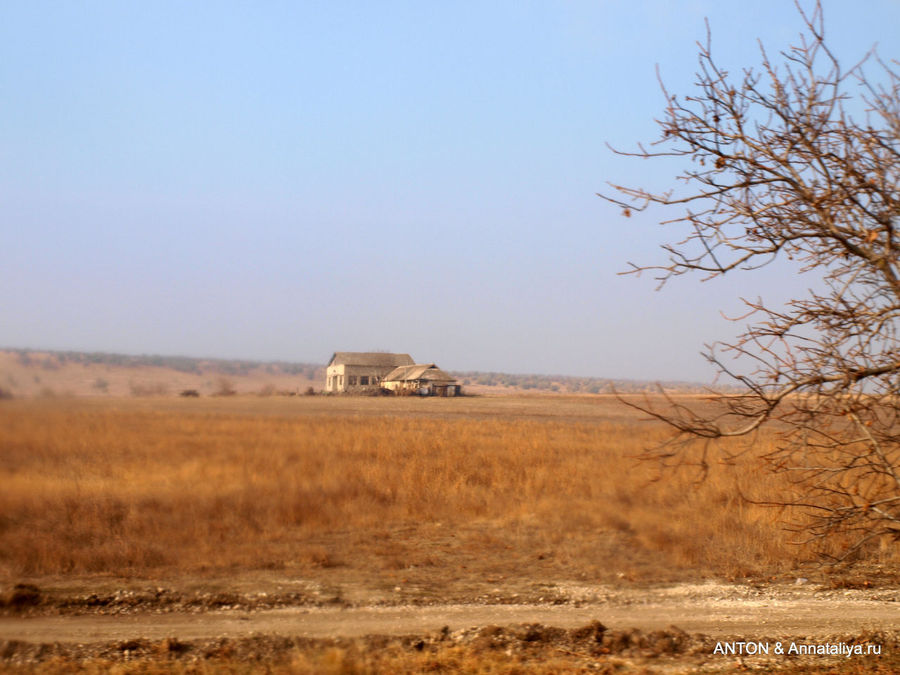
<point>280,180</point>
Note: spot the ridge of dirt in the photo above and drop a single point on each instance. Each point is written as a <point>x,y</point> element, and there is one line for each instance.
<point>592,639</point>
<point>579,628</point>
<point>707,608</point>
<point>30,599</point>
<point>589,647</point>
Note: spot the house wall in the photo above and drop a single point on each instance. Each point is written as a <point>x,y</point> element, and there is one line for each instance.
<point>334,378</point>
<point>424,387</point>
<point>403,386</point>
<point>347,377</point>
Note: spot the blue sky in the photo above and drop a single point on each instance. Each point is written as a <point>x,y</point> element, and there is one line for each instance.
<point>280,180</point>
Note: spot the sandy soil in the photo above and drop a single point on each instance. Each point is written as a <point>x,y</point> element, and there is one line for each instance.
<point>714,609</point>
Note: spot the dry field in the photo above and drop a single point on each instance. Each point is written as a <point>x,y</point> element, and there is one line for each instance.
<point>169,486</point>
<point>333,501</point>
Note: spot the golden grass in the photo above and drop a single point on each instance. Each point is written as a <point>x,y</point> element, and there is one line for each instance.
<point>127,487</point>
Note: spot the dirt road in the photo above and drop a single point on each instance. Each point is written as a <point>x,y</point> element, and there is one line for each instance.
<point>710,609</point>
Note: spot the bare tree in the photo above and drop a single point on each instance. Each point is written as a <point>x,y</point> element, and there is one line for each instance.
<point>797,159</point>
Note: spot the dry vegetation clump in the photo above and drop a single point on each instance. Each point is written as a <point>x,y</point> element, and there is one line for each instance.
<point>225,387</point>
<point>514,649</point>
<point>148,388</point>
<point>488,649</point>
<point>137,488</point>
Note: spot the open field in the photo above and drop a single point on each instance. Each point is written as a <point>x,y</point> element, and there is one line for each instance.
<point>152,486</point>
<point>144,505</point>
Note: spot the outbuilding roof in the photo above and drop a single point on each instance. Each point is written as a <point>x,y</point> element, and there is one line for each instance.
<point>419,371</point>
<point>382,359</point>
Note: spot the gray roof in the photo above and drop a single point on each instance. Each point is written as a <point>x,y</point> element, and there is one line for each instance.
<point>382,359</point>
<point>419,371</point>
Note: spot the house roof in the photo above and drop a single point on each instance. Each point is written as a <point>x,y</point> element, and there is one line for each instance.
<point>418,371</point>
<point>382,359</point>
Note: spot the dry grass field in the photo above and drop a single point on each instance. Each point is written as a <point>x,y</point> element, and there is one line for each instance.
<point>471,487</point>
<point>342,501</point>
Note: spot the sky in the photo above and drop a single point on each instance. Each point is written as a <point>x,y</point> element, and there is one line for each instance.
<point>282,180</point>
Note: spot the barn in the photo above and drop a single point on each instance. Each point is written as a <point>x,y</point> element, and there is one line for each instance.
<point>424,379</point>
<point>360,372</point>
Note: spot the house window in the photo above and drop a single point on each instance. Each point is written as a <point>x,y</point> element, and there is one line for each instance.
<point>351,380</point>
<point>364,379</point>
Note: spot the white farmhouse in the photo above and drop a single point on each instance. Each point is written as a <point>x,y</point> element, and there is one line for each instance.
<point>361,371</point>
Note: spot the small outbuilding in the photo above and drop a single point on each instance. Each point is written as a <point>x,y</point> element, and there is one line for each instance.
<point>360,372</point>
<point>424,379</point>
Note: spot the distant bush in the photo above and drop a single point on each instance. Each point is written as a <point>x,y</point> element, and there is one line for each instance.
<point>148,388</point>
<point>50,363</point>
<point>224,387</point>
<point>189,393</point>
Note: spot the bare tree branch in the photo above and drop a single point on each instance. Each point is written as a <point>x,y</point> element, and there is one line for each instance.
<point>796,160</point>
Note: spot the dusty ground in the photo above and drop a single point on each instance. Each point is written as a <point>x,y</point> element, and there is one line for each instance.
<point>682,624</point>
<point>716,609</point>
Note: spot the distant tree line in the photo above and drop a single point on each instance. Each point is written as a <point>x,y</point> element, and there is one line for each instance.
<point>571,384</point>
<point>51,360</point>
<point>567,384</point>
